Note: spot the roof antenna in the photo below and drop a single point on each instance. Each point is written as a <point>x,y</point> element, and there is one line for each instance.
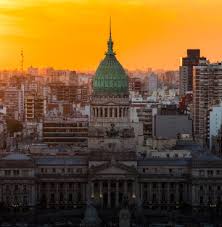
<point>22,61</point>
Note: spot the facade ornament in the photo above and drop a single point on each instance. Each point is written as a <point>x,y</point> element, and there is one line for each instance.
<point>112,132</point>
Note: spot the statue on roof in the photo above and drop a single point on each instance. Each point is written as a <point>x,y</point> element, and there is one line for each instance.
<point>113,132</point>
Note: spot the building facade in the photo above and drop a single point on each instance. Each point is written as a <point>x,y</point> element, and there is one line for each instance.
<point>68,182</point>
<point>186,70</point>
<point>207,92</point>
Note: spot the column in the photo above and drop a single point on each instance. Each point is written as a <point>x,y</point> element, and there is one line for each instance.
<point>141,191</point>
<point>134,192</point>
<point>84,192</point>
<point>127,112</point>
<point>149,192</point>
<point>33,196</point>
<point>125,188</point>
<point>159,185</point>
<point>47,194</point>
<point>103,112</point>
<point>109,199</point>
<point>113,112</point>
<point>177,193</point>
<point>88,192</point>
<point>117,194</point>
<point>101,193</point>
<point>92,190</point>
<point>108,113</point>
<point>168,193</point>
<point>117,112</point>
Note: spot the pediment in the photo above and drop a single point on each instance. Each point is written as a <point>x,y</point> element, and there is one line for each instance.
<point>113,170</point>
<point>110,103</point>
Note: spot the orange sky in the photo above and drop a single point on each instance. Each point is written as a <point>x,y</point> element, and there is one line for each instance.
<point>73,33</point>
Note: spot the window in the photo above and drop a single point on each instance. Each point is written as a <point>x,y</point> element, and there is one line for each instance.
<point>52,198</point>
<point>171,198</point>
<point>61,196</point>
<point>16,187</point>
<point>24,188</point>
<point>201,199</point>
<point>210,172</point>
<point>16,172</point>
<point>79,170</point>
<point>154,197</point>
<point>201,172</point>
<point>170,171</point>
<point>7,172</point>
<point>25,173</point>
<point>70,197</point>
<point>219,172</point>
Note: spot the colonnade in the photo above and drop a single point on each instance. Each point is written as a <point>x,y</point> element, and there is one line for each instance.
<point>112,193</point>
<point>162,193</point>
<point>111,112</point>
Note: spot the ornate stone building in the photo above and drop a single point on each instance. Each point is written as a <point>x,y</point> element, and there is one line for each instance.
<point>109,180</point>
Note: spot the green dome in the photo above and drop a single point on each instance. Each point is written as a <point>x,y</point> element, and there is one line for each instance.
<point>110,76</point>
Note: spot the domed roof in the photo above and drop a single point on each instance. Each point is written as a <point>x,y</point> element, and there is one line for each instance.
<point>110,76</point>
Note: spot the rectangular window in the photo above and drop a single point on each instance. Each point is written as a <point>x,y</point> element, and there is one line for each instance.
<point>7,172</point>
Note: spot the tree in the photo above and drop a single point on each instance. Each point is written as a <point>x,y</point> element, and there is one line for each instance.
<point>13,126</point>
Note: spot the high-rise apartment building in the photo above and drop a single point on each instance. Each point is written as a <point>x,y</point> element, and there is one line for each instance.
<point>186,70</point>
<point>207,84</point>
<point>14,102</point>
<point>152,83</point>
<point>35,107</point>
<point>214,123</point>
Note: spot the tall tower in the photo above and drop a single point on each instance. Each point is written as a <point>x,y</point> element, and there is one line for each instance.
<point>186,70</point>
<point>22,62</point>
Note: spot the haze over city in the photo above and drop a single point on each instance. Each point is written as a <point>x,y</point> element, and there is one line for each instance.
<point>73,33</point>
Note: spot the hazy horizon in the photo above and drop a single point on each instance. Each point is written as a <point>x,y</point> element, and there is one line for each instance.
<point>73,33</point>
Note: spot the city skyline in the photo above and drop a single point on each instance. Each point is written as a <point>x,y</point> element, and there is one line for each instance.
<point>64,34</point>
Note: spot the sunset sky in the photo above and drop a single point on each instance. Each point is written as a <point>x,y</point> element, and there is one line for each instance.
<point>73,33</point>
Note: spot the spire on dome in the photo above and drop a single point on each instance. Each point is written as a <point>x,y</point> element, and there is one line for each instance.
<point>110,41</point>
<point>110,29</point>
